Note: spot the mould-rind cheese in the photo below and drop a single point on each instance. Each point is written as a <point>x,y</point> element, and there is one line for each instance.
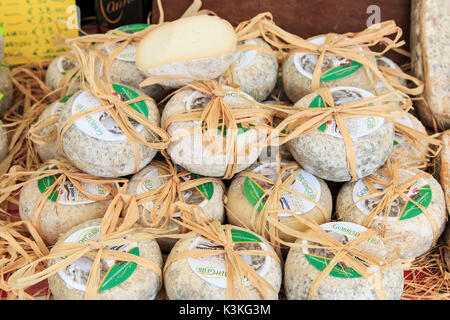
<point>3,142</point>
<point>55,73</point>
<point>6,89</point>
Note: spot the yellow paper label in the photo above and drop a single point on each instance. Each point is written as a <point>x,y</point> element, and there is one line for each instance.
<point>31,25</point>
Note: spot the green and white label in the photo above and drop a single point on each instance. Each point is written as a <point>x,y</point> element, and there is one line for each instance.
<point>63,65</point>
<point>344,232</point>
<point>213,269</point>
<point>305,183</point>
<point>244,58</point>
<point>333,68</point>
<point>419,192</point>
<point>358,126</point>
<point>101,125</point>
<point>69,194</point>
<point>112,272</point>
<point>200,195</point>
<point>199,100</point>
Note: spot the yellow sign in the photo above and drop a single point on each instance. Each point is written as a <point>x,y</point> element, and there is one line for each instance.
<point>30,26</point>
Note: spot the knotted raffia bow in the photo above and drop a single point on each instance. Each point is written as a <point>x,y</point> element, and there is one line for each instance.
<point>236,267</point>
<point>62,171</point>
<point>305,120</point>
<point>113,230</point>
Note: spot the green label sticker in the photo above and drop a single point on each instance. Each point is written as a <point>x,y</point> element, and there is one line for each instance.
<point>2,31</point>
<point>254,193</point>
<point>1,96</point>
<point>132,28</point>
<point>206,189</point>
<point>340,270</point>
<point>341,71</point>
<point>421,196</point>
<point>125,94</point>
<point>65,99</point>
<point>45,183</point>
<point>119,272</point>
<point>318,103</point>
<point>242,236</point>
<point>6,65</point>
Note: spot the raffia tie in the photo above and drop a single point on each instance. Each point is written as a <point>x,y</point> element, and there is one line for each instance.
<point>262,224</point>
<point>236,267</point>
<point>168,193</point>
<point>218,116</point>
<point>304,120</point>
<point>62,170</point>
<point>101,87</point>
<point>393,189</point>
<point>112,232</point>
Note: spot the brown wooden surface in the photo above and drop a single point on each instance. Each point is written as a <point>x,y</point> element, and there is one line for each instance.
<point>305,18</point>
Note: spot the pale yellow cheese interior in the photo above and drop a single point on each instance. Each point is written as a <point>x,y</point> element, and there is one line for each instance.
<point>185,39</point>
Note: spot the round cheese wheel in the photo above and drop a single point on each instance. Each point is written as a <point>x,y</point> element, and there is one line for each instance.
<point>343,283</point>
<point>208,196</point>
<point>188,149</point>
<point>205,278</point>
<point>96,145</point>
<point>403,146</point>
<point>198,46</point>
<point>6,89</point>
<point>57,68</point>
<point>119,280</point>
<point>65,208</point>
<point>256,71</point>
<point>411,228</point>
<point>3,142</point>
<point>298,68</point>
<point>244,193</point>
<point>50,150</point>
<point>322,152</point>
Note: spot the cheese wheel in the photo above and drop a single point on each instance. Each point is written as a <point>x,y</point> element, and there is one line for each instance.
<point>430,59</point>
<point>413,231</point>
<point>50,150</point>
<point>3,142</point>
<point>187,148</point>
<point>198,46</point>
<point>343,283</point>
<point>242,199</point>
<point>65,208</point>
<point>256,71</point>
<point>96,145</point>
<point>402,146</point>
<point>56,70</point>
<point>119,280</point>
<point>208,196</point>
<point>191,279</point>
<point>6,89</point>
<point>298,68</point>
<point>322,152</point>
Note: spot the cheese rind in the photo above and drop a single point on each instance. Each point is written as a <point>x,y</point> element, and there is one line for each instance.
<point>6,89</point>
<point>3,142</point>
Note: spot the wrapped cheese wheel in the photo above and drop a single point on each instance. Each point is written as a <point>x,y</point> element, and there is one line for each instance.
<point>303,266</point>
<point>205,278</point>
<point>323,152</point>
<point>56,71</point>
<point>3,142</point>
<point>120,280</point>
<point>188,148</point>
<point>209,196</point>
<point>95,144</point>
<point>245,193</point>
<point>415,219</point>
<point>429,60</point>
<point>6,89</point>
<point>65,207</point>
<point>255,71</point>
<point>298,70</point>
<point>388,63</point>
<point>404,148</point>
<point>198,46</point>
<point>124,70</point>
<point>48,151</point>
